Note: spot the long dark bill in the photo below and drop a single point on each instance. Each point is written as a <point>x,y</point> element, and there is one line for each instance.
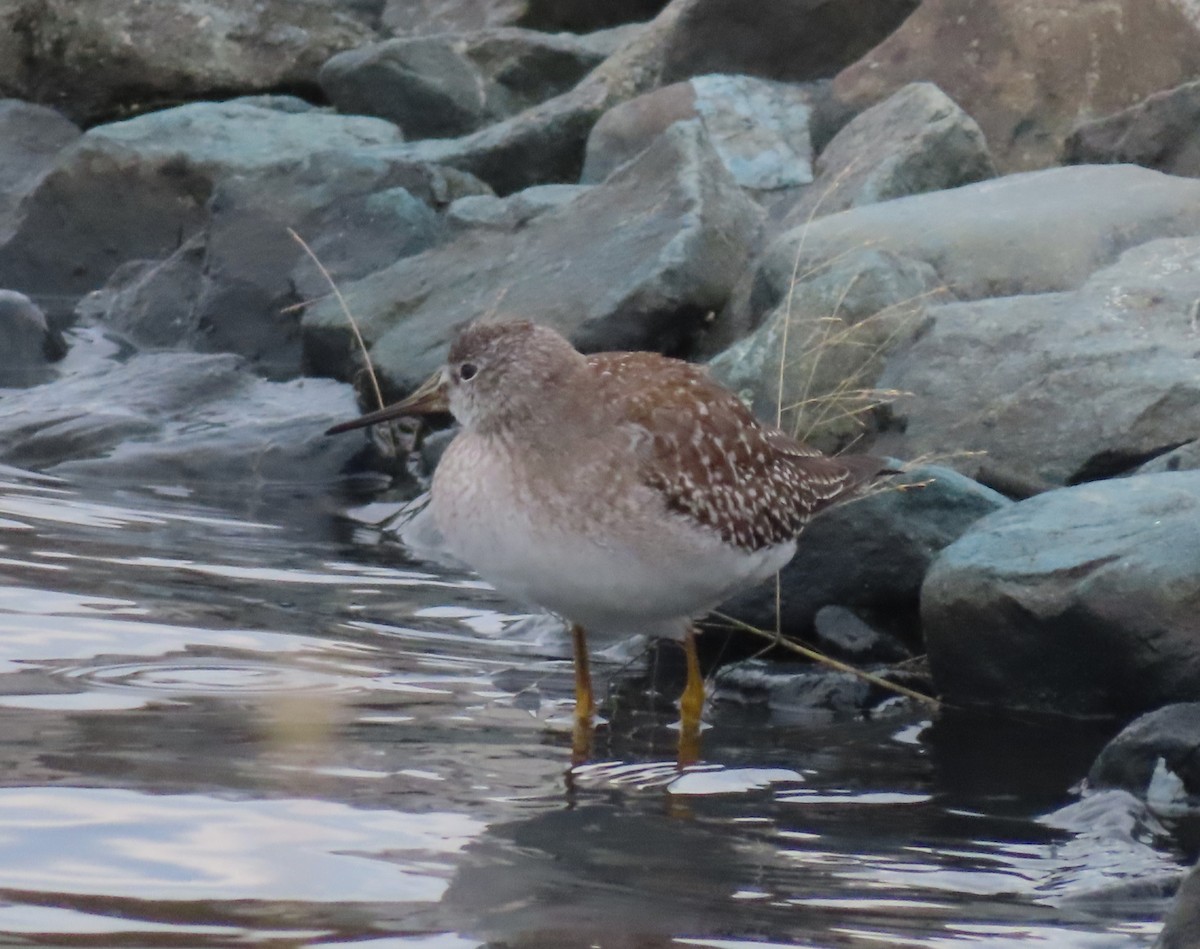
<point>429,399</point>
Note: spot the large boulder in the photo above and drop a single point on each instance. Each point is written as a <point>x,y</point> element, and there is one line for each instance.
<point>758,128</point>
<point>1062,387</point>
<point>1181,929</point>
<point>138,189</point>
<point>31,137</point>
<point>451,84</point>
<point>1029,70</point>
<point>916,140</point>
<point>104,58</point>
<point>1037,232</point>
<point>1081,601</point>
<point>1160,132</point>
<point>450,16</point>
<point>1170,735</point>
<point>638,262</point>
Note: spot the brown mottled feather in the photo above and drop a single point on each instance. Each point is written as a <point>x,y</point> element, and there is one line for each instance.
<point>713,461</point>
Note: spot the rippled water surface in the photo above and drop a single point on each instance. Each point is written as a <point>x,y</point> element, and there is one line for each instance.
<point>244,720</point>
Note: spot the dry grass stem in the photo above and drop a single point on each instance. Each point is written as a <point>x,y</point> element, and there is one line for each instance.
<point>832,663</point>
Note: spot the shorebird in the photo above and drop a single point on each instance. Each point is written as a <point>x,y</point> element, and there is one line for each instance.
<point>626,491</point>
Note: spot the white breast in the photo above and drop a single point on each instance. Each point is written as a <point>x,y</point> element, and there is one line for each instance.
<point>589,543</point>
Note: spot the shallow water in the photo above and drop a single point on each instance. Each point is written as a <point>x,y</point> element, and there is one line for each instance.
<point>244,720</point>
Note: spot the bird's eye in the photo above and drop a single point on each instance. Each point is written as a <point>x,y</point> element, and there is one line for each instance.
<point>466,372</point>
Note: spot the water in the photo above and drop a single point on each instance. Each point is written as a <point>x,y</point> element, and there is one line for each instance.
<point>244,720</point>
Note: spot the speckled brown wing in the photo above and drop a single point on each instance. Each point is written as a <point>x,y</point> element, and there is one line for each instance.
<point>713,461</point>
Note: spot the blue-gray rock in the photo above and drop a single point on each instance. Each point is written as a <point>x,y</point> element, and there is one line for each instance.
<point>1039,232</point>
<point>1181,929</point>
<point>138,189</point>
<point>454,83</point>
<point>1061,387</point>
<point>1081,601</point>
<point>758,128</point>
<point>27,343</point>
<point>512,212</point>
<point>637,262</point>
<point>916,140</point>
<point>1170,734</point>
<point>871,555</point>
<point>31,136</point>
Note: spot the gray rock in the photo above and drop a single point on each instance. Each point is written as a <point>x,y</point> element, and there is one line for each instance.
<point>916,140</point>
<point>840,633</point>
<point>139,189</point>
<point>837,325</point>
<point>1160,132</point>
<point>1181,929</point>
<point>1081,601</point>
<point>451,84</point>
<point>1029,233</point>
<point>31,136</point>
<point>178,417</point>
<point>1064,387</point>
<point>1184,458</point>
<point>604,270</point>
<point>98,59</point>
<point>512,212</point>
<point>788,40</point>
<point>1171,733</point>
<point>27,343</point>
<point>449,16</point>
<point>758,128</point>
<point>1029,72</point>
<point>871,555</point>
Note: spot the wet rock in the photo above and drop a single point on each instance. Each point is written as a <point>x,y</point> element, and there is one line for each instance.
<point>758,128</point>
<point>451,84</point>
<point>178,417</point>
<point>1081,601</point>
<point>870,555</point>
<point>841,634</point>
<point>99,59</point>
<point>31,137</point>
<point>512,212</point>
<point>1066,387</point>
<point>27,343</point>
<point>1034,68</point>
<point>1170,734</point>
<point>1029,233</point>
<point>794,693</point>
<point>916,140</point>
<point>1160,132</point>
<point>139,189</point>
<point>1181,929</point>
<point>605,270</point>
<point>837,325</point>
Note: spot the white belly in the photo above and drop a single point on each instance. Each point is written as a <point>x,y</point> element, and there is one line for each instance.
<point>621,566</point>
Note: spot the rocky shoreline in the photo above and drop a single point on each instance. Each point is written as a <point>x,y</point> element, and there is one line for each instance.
<point>965,236</point>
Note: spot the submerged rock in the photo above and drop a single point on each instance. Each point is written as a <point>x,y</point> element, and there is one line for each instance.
<point>27,343</point>
<point>1081,601</point>
<point>1170,735</point>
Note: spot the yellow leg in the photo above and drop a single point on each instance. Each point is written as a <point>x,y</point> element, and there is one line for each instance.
<point>585,703</point>
<point>691,704</point>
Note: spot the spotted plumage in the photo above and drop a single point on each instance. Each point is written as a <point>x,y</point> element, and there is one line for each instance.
<point>713,461</point>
